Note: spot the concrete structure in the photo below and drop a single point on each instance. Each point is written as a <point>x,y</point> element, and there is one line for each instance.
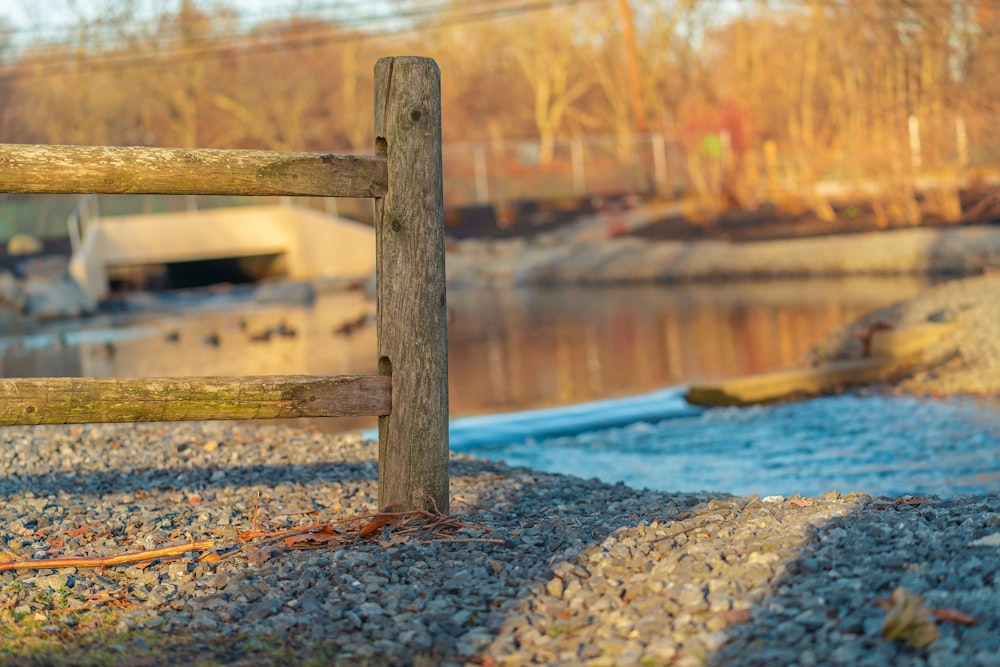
<point>311,244</point>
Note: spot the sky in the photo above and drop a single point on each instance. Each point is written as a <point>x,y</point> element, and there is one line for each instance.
<point>34,19</point>
<point>26,13</point>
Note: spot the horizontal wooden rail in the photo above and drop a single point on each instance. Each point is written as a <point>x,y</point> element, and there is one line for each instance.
<point>182,171</point>
<point>90,400</point>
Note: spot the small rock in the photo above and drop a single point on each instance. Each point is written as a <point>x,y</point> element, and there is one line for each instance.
<point>370,609</point>
<point>692,597</point>
<point>473,642</point>
<point>416,639</point>
<point>461,618</point>
<point>992,540</point>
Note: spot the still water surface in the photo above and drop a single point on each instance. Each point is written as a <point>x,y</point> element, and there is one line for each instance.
<point>509,350</point>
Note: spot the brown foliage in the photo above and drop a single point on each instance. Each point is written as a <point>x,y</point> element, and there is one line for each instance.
<point>831,85</point>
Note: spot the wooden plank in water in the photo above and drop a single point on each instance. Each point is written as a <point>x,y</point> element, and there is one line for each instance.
<point>792,383</point>
<point>899,343</point>
<point>895,352</point>
<point>91,400</point>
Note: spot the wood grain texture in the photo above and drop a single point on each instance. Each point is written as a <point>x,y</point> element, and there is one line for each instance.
<point>791,383</point>
<point>89,400</point>
<point>412,323</point>
<point>895,353</point>
<point>138,170</point>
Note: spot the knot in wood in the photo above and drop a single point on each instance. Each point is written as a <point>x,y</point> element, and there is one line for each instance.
<point>414,115</point>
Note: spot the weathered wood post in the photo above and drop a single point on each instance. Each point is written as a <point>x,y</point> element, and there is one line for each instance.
<point>412,320</point>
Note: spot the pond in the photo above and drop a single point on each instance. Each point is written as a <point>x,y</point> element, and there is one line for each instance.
<point>852,442</point>
<point>509,349</point>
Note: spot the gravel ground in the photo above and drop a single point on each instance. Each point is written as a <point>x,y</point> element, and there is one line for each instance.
<point>570,571</point>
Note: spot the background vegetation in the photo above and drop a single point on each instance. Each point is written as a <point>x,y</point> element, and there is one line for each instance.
<point>877,92</point>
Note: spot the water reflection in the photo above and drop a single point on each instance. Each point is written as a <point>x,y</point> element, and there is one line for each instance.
<point>509,349</point>
<point>517,349</point>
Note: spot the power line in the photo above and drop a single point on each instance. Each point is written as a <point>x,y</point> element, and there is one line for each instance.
<point>318,10</point>
<point>64,31</point>
<point>344,13</point>
<point>249,43</point>
<point>178,49</point>
<point>164,42</point>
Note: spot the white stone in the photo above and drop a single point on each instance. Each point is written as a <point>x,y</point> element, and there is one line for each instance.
<point>988,541</point>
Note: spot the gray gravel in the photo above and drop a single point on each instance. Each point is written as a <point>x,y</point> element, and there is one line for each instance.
<point>586,573</point>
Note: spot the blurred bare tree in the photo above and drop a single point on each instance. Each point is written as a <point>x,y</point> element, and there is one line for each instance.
<point>767,100</point>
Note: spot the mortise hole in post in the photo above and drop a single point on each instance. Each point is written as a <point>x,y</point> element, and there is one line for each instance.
<point>381,146</point>
<point>384,366</point>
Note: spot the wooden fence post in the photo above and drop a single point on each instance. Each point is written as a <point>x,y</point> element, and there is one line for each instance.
<point>412,320</point>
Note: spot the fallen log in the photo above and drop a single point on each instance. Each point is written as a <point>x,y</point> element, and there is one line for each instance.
<point>895,353</point>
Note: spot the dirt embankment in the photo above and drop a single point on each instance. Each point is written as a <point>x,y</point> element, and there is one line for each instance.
<point>972,305</point>
<point>958,251</point>
<point>626,240</point>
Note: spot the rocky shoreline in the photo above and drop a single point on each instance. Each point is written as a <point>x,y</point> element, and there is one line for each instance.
<point>582,254</point>
<point>42,291</point>
<point>547,569</point>
<point>557,260</point>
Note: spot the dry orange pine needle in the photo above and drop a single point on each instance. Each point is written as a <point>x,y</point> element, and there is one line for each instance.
<point>121,559</point>
<point>949,615</point>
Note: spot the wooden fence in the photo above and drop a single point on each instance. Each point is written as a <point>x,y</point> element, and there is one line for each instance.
<point>410,393</point>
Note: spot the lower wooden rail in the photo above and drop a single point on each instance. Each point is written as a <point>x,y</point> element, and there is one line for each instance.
<point>92,400</point>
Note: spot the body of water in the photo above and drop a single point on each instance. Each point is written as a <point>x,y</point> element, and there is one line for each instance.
<point>513,350</point>
<point>852,442</point>
<point>509,349</point>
